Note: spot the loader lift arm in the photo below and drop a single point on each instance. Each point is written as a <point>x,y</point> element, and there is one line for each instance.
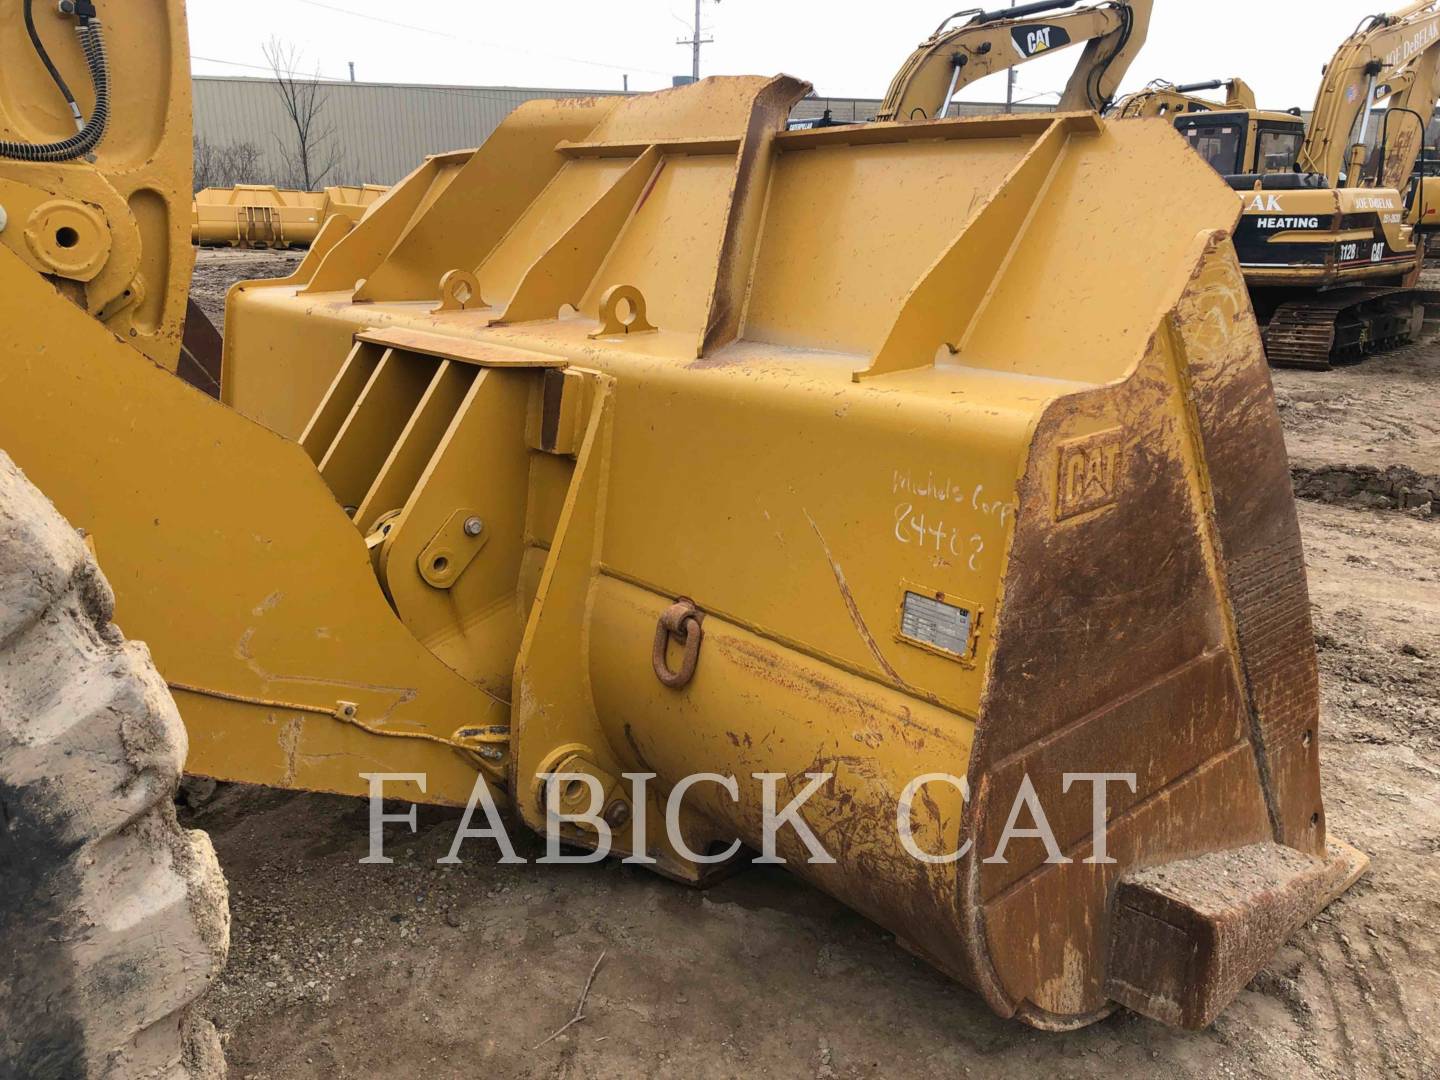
<point>993,41</point>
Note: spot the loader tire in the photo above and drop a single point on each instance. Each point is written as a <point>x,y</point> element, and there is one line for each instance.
<point>113,920</point>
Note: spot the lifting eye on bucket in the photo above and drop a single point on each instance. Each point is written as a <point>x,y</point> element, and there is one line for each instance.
<point>681,620</point>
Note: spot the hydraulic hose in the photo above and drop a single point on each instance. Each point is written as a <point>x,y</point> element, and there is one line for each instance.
<point>92,44</point>
<point>40,51</point>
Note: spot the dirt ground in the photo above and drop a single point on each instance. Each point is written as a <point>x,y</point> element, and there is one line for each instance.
<point>343,970</point>
<point>216,269</point>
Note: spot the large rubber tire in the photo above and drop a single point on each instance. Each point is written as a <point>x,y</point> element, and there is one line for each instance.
<point>113,919</point>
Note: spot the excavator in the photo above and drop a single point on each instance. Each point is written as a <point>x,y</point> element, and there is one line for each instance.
<point>1234,136</point>
<point>1163,98</point>
<point>582,475</point>
<point>1328,252</point>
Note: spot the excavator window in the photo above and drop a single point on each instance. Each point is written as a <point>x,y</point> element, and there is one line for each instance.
<point>1279,147</point>
<point>1218,141</point>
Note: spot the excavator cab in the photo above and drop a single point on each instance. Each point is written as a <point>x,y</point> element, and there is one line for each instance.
<point>1251,143</point>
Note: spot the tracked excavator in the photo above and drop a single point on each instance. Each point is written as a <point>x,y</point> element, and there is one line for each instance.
<point>1327,250</point>
<point>583,456</point>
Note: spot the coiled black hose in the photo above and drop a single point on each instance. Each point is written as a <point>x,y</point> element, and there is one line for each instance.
<point>88,137</point>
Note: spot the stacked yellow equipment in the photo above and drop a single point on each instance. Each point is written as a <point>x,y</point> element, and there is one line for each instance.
<point>262,215</point>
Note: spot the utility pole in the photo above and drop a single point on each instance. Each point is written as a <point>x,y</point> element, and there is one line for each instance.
<point>695,41</point>
<point>352,70</point>
<point>625,82</point>
<point>1010,84</point>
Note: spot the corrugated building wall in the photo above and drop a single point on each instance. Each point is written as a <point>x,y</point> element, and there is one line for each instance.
<point>381,131</point>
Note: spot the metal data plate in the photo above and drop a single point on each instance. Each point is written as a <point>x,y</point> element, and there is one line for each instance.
<point>936,623</point>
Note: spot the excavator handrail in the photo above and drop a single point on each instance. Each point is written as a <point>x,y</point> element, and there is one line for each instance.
<point>994,41</point>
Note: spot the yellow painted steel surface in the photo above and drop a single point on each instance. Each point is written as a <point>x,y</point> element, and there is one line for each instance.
<point>262,215</point>
<point>883,361</point>
<point>1424,211</point>
<point>110,233</point>
<point>957,475</point>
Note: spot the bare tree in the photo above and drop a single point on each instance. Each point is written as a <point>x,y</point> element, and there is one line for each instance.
<point>204,171</point>
<point>241,163</point>
<point>226,166</point>
<point>314,152</point>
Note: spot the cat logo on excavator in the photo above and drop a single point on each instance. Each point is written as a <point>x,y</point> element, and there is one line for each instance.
<point>1033,40</point>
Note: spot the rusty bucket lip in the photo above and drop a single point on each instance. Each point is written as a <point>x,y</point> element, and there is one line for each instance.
<point>1188,936</point>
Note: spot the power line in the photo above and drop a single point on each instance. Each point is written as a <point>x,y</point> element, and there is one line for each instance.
<point>447,91</point>
<point>377,18</point>
<point>471,41</point>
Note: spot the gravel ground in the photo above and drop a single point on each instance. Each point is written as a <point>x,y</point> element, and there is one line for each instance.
<point>343,970</point>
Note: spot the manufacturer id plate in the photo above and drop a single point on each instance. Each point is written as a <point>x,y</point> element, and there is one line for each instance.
<point>935,623</point>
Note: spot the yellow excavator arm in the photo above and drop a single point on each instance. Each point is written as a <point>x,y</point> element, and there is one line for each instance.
<point>1162,98</point>
<point>992,41</point>
<point>1390,57</point>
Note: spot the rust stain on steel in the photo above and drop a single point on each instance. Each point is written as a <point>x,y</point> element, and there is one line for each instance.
<point>290,744</point>
<point>809,683</point>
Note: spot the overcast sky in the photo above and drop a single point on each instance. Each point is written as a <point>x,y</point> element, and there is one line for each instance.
<point>845,49</point>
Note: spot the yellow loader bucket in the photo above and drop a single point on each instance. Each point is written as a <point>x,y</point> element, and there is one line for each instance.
<point>922,479</point>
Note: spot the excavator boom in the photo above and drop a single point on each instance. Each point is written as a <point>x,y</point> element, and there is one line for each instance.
<point>992,41</point>
<point>1161,98</point>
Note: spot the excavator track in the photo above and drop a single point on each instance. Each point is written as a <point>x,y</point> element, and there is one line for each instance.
<point>1345,324</point>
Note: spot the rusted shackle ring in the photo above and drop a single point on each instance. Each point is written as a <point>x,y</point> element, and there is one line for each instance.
<point>681,620</point>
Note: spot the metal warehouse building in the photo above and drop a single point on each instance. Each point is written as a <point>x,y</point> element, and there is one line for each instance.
<point>381,131</point>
